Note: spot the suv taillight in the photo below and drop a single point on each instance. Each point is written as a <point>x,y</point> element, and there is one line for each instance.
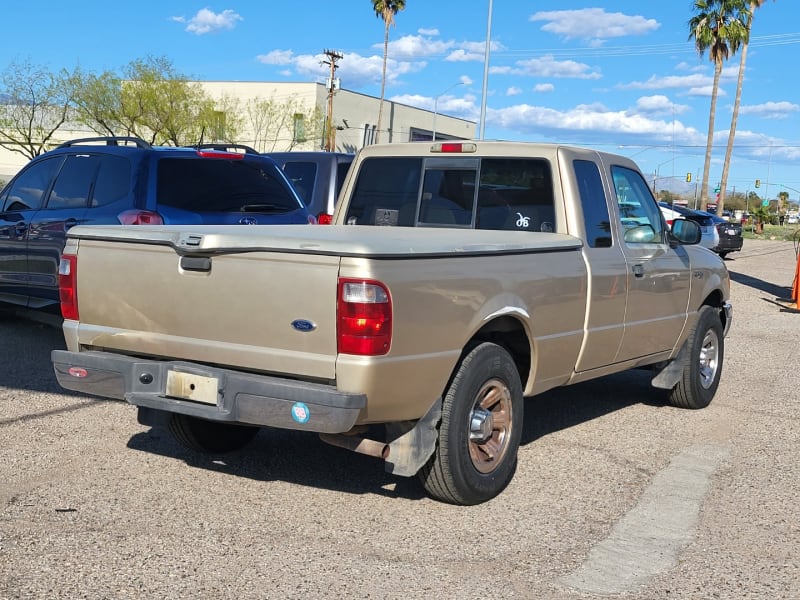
<point>140,217</point>
<point>67,290</point>
<point>364,317</point>
<point>324,219</point>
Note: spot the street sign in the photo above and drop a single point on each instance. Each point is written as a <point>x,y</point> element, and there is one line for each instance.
<point>765,203</point>
<point>716,190</point>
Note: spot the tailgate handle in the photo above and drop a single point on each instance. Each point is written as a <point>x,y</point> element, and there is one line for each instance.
<point>196,263</point>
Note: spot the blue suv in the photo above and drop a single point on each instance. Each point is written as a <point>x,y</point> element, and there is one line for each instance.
<point>125,180</point>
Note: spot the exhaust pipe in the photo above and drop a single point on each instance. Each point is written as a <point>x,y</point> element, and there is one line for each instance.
<point>357,444</point>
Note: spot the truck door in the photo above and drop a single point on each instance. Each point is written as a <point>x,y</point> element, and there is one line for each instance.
<point>658,275</point>
<point>606,269</point>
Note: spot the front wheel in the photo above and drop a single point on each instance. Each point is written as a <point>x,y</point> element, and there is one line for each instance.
<point>482,413</point>
<point>702,363</point>
<point>209,436</point>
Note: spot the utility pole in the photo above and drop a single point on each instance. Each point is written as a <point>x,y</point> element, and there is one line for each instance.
<point>333,56</point>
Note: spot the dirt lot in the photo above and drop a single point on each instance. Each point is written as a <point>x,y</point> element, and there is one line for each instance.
<point>616,493</point>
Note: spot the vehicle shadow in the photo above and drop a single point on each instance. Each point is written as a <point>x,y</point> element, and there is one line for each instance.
<point>27,344</point>
<point>778,291</point>
<point>302,458</point>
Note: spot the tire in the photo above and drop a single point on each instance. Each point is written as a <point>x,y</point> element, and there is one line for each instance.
<point>480,430</point>
<point>722,255</point>
<point>702,364</point>
<point>208,436</point>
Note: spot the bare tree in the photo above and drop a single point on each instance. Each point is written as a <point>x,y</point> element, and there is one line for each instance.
<point>35,103</point>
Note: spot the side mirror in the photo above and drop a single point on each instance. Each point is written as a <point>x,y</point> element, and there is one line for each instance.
<point>686,231</point>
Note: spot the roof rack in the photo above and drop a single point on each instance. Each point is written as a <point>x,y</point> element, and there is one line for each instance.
<point>226,147</point>
<point>114,140</point>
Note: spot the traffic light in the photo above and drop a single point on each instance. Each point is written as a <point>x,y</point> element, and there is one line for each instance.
<point>758,183</point>
<point>688,178</point>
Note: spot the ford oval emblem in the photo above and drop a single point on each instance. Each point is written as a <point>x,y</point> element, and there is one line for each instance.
<point>303,325</point>
<point>248,221</point>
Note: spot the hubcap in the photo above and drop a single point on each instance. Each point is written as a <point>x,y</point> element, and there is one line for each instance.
<point>490,423</point>
<point>709,359</point>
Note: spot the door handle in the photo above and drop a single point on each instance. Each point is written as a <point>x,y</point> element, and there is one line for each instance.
<point>638,271</point>
<point>20,229</point>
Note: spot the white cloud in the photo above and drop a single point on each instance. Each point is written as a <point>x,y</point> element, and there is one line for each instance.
<point>548,66</point>
<point>594,24</point>
<point>513,91</point>
<point>770,110</point>
<point>591,124</point>
<point>276,57</point>
<point>659,105</point>
<point>207,21</point>
<point>544,88</point>
<point>415,46</point>
<point>473,51</point>
<point>705,90</point>
<point>428,32</point>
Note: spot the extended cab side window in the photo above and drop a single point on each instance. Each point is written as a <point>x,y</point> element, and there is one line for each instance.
<point>516,194</point>
<point>596,221</point>
<point>639,214</point>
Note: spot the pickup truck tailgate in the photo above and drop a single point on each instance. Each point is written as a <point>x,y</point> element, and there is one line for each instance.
<point>168,295</point>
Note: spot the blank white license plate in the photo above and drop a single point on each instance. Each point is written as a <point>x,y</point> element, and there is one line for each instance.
<point>731,232</point>
<point>188,386</point>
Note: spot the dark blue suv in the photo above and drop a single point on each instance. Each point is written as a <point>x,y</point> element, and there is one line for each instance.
<point>125,180</point>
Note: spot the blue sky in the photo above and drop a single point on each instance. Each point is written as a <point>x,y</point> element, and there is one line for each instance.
<point>616,75</point>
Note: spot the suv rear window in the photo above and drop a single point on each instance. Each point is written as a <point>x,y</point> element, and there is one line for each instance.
<point>217,185</point>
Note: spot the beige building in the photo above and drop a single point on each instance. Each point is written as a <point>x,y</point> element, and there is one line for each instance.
<point>355,118</point>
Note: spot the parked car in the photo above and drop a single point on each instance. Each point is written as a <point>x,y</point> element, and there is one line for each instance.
<point>317,177</point>
<point>708,228</point>
<point>730,233</point>
<point>125,180</point>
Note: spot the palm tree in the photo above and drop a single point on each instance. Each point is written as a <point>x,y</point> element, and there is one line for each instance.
<point>754,4</point>
<point>386,10</point>
<point>719,27</point>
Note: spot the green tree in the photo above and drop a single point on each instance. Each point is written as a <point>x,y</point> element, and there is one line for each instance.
<point>150,100</point>
<point>754,5</point>
<point>719,28</point>
<point>35,104</point>
<point>386,10</point>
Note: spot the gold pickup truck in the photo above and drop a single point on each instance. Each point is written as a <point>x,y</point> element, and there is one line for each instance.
<point>456,279</point>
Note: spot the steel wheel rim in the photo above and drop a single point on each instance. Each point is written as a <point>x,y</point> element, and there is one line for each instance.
<point>490,424</point>
<point>708,361</point>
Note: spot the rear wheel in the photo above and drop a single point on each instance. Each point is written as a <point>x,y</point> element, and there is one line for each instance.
<point>702,363</point>
<point>482,412</point>
<point>209,436</point>
<point>722,255</point>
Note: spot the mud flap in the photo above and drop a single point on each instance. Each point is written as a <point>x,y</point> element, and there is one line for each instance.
<point>671,374</point>
<point>412,442</point>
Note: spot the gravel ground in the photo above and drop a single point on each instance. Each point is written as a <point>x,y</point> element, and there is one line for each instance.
<point>93,505</point>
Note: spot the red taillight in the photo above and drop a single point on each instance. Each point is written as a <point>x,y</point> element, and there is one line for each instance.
<point>67,290</point>
<point>324,219</point>
<point>669,223</point>
<point>364,317</point>
<point>140,217</point>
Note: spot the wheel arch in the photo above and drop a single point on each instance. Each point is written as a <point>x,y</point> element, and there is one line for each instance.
<point>510,333</point>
